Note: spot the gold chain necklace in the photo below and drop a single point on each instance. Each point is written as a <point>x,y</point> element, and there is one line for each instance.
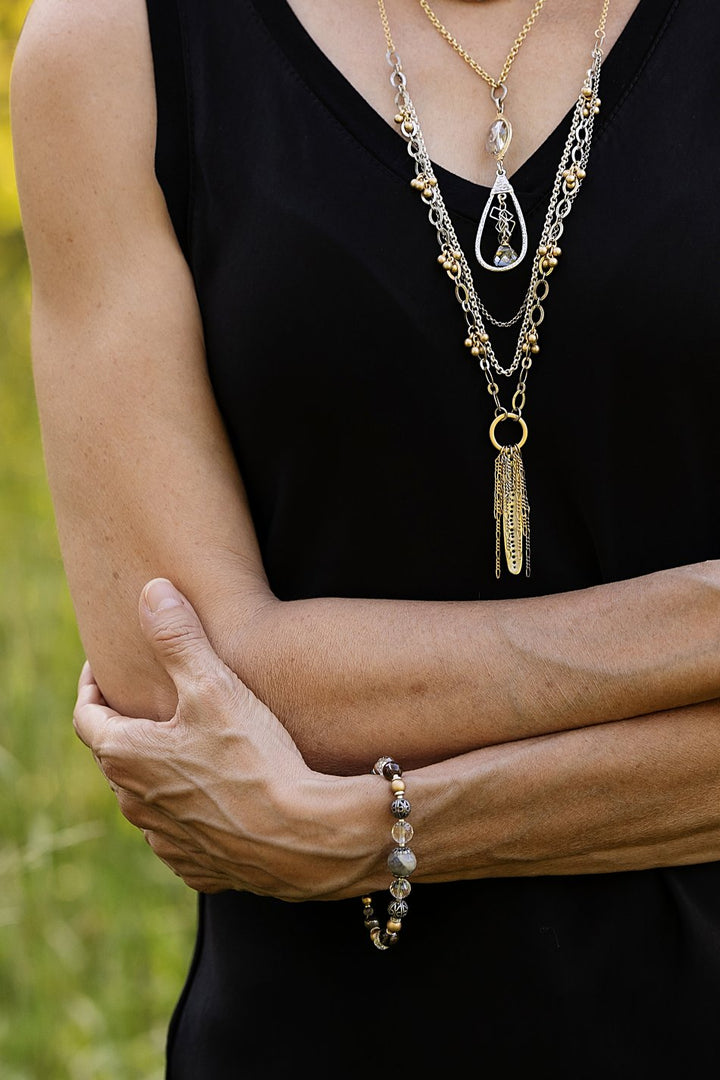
<point>502,196</point>
<point>510,502</point>
<point>477,68</point>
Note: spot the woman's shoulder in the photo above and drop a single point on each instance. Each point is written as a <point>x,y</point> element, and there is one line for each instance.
<point>83,119</point>
<point>69,49</point>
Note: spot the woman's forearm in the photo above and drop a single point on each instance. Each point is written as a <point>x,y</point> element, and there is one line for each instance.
<point>353,678</point>
<point>225,798</point>
<point>629,795</point>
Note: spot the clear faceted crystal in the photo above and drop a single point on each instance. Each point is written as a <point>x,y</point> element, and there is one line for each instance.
<point>400,888</point>
<point>402,832</point>
<point>505,256</point>
<point>497,137</point>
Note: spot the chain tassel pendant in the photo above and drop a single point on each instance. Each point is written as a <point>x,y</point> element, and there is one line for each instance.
<point>511,506</point>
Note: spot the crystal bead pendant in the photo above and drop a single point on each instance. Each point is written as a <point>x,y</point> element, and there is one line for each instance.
<point>498,138</point>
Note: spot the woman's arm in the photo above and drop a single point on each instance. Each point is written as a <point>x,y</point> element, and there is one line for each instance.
<point>144,482</point>
<point>225,799</point>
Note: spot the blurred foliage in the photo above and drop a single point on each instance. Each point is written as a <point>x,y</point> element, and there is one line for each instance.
<point>95,934</point>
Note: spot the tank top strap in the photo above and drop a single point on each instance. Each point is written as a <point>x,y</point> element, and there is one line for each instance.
<point>173,159</point>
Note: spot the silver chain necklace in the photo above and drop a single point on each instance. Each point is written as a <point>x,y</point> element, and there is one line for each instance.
<point>510,504</point>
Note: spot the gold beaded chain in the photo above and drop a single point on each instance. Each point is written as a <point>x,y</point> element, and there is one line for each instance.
<point>495,84</point>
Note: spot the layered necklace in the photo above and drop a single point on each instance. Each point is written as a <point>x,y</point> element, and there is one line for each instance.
<point>510,501</point>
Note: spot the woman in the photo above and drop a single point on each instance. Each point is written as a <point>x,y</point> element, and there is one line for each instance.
<point>243,282</point>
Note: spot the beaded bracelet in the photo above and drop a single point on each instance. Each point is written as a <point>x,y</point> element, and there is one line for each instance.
<point>401,860</point>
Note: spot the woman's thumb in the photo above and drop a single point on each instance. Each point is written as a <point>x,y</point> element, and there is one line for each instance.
<point>175,632</point>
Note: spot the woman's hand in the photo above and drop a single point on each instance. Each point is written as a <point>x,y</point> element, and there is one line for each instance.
<point>220,790</point>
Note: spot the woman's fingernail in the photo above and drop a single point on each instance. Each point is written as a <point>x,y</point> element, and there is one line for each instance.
<point>161,594</point>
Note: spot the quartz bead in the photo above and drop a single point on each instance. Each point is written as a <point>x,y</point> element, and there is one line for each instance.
<point>401,862</point>
<point>402,832</point>
<point>400,888</point>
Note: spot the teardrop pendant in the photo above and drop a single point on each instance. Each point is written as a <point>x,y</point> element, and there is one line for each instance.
<point>498,211</point>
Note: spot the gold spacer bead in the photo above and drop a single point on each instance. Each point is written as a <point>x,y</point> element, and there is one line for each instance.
<point>475,351</point>
<point>468,343</point>
<point>543,250</point>
<point>484,338</point>
<point>393,926</point>
<point>557,252</point>
<point>441,259</point>
<point>447,265</point>
<point>586,112</point>
<point>427,192</point>
<point>587,91</point>
<point>535,349</point>
<point>532,337</point>
<point>366,900</point>
<point>399,118</point>
<point>552,262</point>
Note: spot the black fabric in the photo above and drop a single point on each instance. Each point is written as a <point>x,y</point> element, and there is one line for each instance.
<point>335,347</point>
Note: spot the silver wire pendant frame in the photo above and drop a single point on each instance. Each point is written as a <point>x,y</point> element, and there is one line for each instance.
<point>502,186</point>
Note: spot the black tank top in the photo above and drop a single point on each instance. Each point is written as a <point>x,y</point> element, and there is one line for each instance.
<point>360,425</point>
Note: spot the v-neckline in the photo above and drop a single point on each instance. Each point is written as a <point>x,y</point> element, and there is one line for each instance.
<point>533,179</point>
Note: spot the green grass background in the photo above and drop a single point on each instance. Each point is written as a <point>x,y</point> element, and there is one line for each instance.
<point>95,934</point>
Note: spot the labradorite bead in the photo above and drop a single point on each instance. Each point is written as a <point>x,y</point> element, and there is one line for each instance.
<point>401,861</point>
